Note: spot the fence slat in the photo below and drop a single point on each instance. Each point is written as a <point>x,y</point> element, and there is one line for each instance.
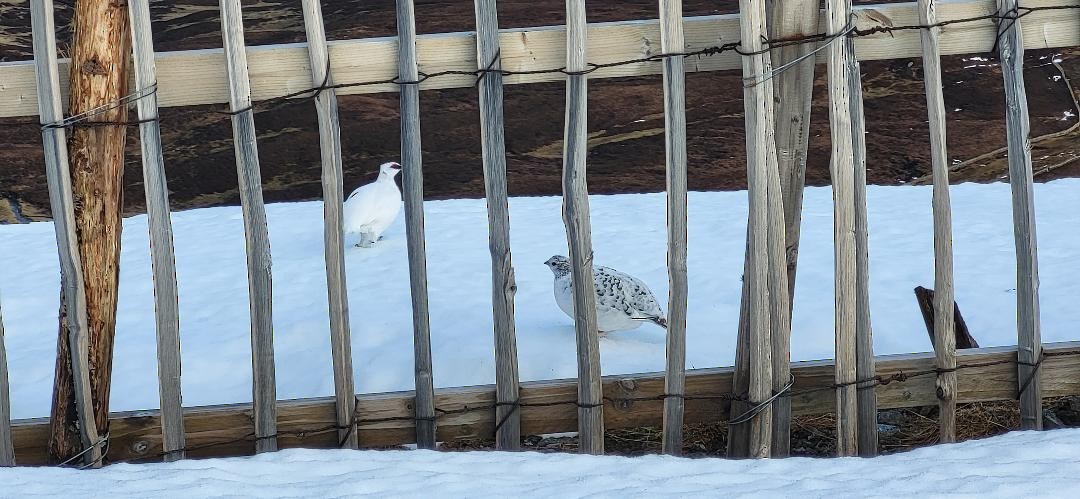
<point>255,231</point>
<point>413,183</point>
<point>794,91</point>
<point>7,448</point>
<point>166,308</point>
<point>333,238</point>
<point>63,211</point>
<point>944,336</point>
<point>757,90</point>
<point>837,14</point>
<point>864,331</point>
<point>671,36</point>
<point>1011,53</point>
<point>575,212</point>
<point>503,286</point>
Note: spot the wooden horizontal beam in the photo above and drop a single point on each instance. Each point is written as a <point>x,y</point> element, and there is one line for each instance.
<point>195,77</point>
<point>384,419</point>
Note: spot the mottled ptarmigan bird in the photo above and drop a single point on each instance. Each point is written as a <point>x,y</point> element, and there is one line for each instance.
<point>622,300</point>
<point>371,208</point>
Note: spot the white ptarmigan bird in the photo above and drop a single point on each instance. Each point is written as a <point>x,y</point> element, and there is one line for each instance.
<point>371,208</point>
<point>622,300</point>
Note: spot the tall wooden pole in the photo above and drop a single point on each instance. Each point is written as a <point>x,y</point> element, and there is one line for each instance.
<point>100,57</point>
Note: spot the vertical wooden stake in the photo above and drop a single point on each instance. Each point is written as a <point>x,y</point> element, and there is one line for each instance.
<point>671,41</point>
<point>864,332</point>
<point>264,388</point>
<point>166,308</point>
<point>333,239</point>
<point>503,287</point>
<point>413,182</point>
<point>944,336</point>
<point>575,211</point>
<point>7,449</point>
<point>837,15</point>
<point>73,303</point>
<point>1029,340</point>
<point>757,102</point>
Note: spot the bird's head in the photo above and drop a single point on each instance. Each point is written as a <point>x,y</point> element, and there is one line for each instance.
<point>389,169</point>
<point>559,265</point>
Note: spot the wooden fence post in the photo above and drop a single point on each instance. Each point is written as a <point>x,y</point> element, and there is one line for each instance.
<point>671,42</point>
<point>1010,45</point>
<point>503,286</point>
<point>793,90</point>
<point>837,17</point>
<point>944,337</point>
<point>575,212</point>
<point>763,226</point>
<point>413,181</point>
<point>864,332</point>
<point>7,449</point>
<point>264,388</point>
<point>333,238</point>
<point>166,308</point>
<point>73,304</point>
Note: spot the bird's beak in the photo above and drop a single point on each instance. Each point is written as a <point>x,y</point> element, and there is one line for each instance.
<point>396,166</point>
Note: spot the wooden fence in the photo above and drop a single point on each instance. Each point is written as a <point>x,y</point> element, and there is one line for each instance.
<point>760,392</point>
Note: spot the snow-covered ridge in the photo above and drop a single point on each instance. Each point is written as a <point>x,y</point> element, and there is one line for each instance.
<point>628,234</point>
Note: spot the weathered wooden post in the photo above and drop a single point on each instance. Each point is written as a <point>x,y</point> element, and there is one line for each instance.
<point>100,56</point>
<point>575,211</point>
<point>671,42</point>
<point>7,449</point>
<point>1029,339</point>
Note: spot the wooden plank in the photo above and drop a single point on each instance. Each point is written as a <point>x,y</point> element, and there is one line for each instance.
<point>738,436</point>
<point>7,450</point>
<point>1011,54</point>
<point>333,238</point>
<point>635,403</point>
<point>61,204</point>
<point>757,91</point>
<point>256,236</point>
<point>944,336</point>
<point>794,91</point>
<point>166,308</point>
<point>864,332</point>
<point>671,31</point>
<point>575,213</point>
<point>964,339</point>
<point>413,183</point>
<point>841,168</point>
<point>503,285</point>
<point>194,77</point>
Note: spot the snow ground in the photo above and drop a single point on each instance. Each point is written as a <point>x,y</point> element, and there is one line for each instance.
<point>628,234</point>
<point>1019,464</point>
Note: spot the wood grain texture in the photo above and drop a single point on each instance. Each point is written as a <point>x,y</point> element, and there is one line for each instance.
<point>575,213</point>
<point>326,106</point>
<point>137,435</point>
<point>73,316</point>
<point>413,183</point>
<point>1029,339</point>
<point>166,307</point>
<point>503,285</point>
<point>841,168</point>
<point>7,450</point>
<point>925,299</point>
<point>944,336</point>
<point>864,331</point>
<point>757,92</point>
<point>264,387</point>
<point>671,35</point>
<point>738,436</point>
<point>195,77</point>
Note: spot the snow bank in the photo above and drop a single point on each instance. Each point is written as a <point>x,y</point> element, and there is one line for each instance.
<point>1019,464</point>
<point>628,234</point>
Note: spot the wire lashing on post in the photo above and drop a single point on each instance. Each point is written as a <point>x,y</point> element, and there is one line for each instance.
<point>825,39</point>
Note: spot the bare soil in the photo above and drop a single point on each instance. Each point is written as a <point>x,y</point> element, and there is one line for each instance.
<point>625,121</point>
